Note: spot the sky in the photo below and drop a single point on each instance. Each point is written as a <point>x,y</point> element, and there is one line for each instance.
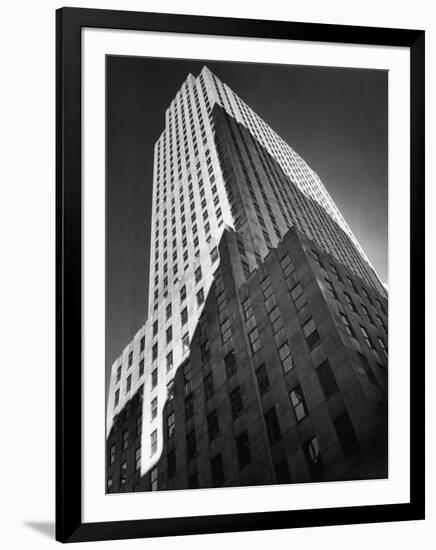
<point>336,119</point>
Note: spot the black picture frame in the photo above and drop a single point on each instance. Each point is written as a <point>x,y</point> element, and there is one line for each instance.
<point>69,525</point>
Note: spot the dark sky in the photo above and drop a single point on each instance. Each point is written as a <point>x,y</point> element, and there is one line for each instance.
<point>336,119</point>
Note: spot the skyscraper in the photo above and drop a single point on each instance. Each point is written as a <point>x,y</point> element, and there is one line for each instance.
<point>234,205</point>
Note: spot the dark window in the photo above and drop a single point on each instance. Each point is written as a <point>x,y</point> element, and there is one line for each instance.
<point>262,378</point>
<point>183,293</point>
<point>154,408</point>
<point>197,274</point>
<point>346,434</point>
<point>123,473</point>
<point>200,297</point>
<point>187,377</point>
<point>119,373</point>
<point>125,440</point>
<point>217,470</point>
<point>189,406</point>
<point>138,425</point>
<point>154,352</point>
<point>298,297</point>
<point>117,397</point>
<point>236,402</point>
<point>128,383</point>
<point>311,334</point>
<point>153,479</point>
<point>169,334</point>
<point>170,390</point>
<point>272,425</point>
<point>282,472</point>
<point>243,448</point>
<point>205,351</point>
<point>171,464</point>
<point>298,403</point>
<point>141,367</point>
<point>130,358</point>
<point>230,364</point>
<point>112,454</point>
<point>314,460</point>
<point>184,316</point>
<point>212,425</point>
<point>137,459</point>
<point>171,424</point>
<point>155,327</point>
<point>191,446</point>
<point>154,378</point>
<point>209,388</point>
<point>327,379</point>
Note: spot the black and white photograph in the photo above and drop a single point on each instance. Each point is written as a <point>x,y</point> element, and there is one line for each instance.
<point>246,274</point>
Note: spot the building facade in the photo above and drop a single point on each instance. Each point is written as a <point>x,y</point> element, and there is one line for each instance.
<point>263,358</point>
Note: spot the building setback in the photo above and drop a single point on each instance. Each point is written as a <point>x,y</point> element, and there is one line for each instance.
<point>264,355</point>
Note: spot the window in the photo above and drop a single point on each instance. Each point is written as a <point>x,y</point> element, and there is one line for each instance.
<point>217,470</point>
<point>347,324</point>
<point>183,293</point>
<point>311,334</point>
<point>205,351</point>
<point>123,473</point>
<point>298,297</point>
<point>298,403</point>
<point>154,352</point>
<point>109,484</point>
<point>169,360</point>
<point>313,459</point>
<point>185,342</point>
<point>197,274</point>
<point>383,346</point>
<point>112,454</point>
<point>170,390</point>
<point>153,408</point>
<point>272,425</point>
<point>286,357</point>
<point>155,327</point>
<point>327,379</point>
<point>346,434</point>
<point>169,334</point>
<point>153,478</point>
<point>209,388</point>
<point>138,425</point>
<point>171,424</point>
<point>243,448</point>
<point>212,425</point>
<point>187,376</point>
<point>262,378</point>
<point>154,378</point>
<point>184,316</point>
<point>191,446</point>
<point>130,358</point>
<point>171,464</point>
<point>189,406</point>
<point>117,398</point>
<point>214,254</point>
<point>248,310</point>
<point>200,297</point>
<point>137,459</point>
<point>366,337</point>
<point>236,402</point>
<point>282,472</point>
<point>349,301</point>
<point>119,373</point>
<point>141,367</point>
<point>253,337</point>
<point>168,311</point>
<point>128,383</point>
<point>226,331</point>
<point>230,364</point>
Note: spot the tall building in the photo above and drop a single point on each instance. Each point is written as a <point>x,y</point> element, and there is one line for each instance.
<point>263,358</point>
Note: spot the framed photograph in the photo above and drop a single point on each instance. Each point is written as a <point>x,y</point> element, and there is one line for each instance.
<point>240,274</point>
